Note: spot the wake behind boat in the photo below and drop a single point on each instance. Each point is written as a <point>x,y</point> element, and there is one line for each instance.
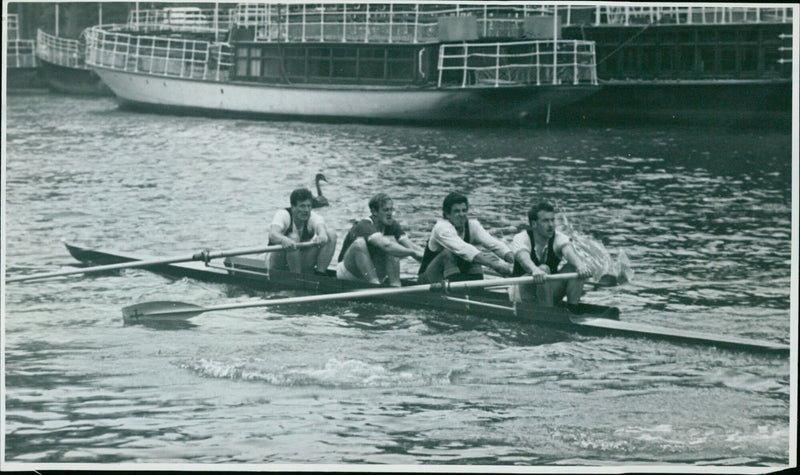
<point>584,318</point>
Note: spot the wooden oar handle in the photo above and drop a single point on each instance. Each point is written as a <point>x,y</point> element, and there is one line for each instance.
<point>525,279</point>
<point>206,255</point>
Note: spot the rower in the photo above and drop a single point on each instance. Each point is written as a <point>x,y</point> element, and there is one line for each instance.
<point>538,251</point>
<point>373,247</point>
<point>451,253</point>
<point>297,224</point>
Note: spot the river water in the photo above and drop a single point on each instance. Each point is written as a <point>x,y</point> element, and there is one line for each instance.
<point>704,216</point>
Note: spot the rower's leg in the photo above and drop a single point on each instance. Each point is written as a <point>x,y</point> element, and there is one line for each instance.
<point>325,255</point>
<point>546,293</point>
<point>393,270</point>
<point>277,261</point>
<point>358,261</point>
<point>388,266</point>
<point>572,289</point>
<point>435,270</point>
<point>294,259</point>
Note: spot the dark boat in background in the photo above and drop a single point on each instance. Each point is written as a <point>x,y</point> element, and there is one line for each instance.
<point>63,66</point>
<point>22,72</point>
<point>688,64</point>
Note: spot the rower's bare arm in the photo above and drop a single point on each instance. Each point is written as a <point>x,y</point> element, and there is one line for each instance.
<point>524,258</point>
<point>418,251</point>
<point>572,257</point>
<point>276,237</point>
<point>488,259</point>
<point>320,233</point>
<point>390,246</point>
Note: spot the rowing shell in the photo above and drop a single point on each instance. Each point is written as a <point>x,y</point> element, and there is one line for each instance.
<point>584,318</point>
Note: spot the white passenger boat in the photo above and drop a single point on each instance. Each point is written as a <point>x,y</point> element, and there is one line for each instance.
<point>409,62</point>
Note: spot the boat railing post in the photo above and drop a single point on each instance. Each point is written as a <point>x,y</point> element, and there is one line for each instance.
<point>391,21</point>
<point>344,22</point>
<point>555,43</point>
<point>303,24</point>
<point>497,65</point>
<point>367,26</point>
<point>440,64</point>
<point>416,25</point>
<point>575,62</point>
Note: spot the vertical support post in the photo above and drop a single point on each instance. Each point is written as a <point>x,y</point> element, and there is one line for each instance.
<point>485,20</point>
<point>391,21</point>
<point>555,44</point>
<point>100,13</point>
<point>575,62</point>
<point>497,66</point>
<point>466,63</point>
<point>344,23</point>
<point>216,21</point>
<point>416,28</point>
<point>366,26</point>
<point>57,19</point>
<point>303,24</point>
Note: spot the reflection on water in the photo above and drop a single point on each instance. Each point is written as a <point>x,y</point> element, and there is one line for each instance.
<point>702,215</point>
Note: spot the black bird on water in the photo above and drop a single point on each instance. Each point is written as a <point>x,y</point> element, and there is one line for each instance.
<point>319,200</point>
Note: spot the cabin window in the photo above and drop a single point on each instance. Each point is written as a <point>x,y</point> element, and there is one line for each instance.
<point>667,59</point>
<point>727,60</point>
<point>241,62</point>
<point>749,59</point>
<point>345,64</point>
<point>687,59</point>
<point>708,58</point>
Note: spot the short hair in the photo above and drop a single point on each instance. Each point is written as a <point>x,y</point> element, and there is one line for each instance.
<point>378,201</point>
<point>533,213</point>
<point>451,200</point>
<point>300,194</point>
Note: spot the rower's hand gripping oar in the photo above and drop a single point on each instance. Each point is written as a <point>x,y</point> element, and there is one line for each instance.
<point>199,256</point>
<point>181,311</point>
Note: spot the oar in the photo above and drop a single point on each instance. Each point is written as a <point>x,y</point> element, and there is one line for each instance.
<point>605,280</point>
<point>180,310</point>
<point>199,256</point>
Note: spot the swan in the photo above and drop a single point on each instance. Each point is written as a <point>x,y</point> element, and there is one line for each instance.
<point>319,200</point>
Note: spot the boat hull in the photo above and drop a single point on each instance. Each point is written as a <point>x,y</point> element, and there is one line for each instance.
<point>414,104</point>
<point>584,318</point>
<point>251,273</point>
<point>78,81</point>
<point>762,103</point>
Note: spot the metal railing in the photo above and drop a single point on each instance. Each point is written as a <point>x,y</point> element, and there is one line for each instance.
<point>21,53</point>
<point>536,63</point>
<point>685,15</point>
<point>186,19</point>
<point>417,23</point>
<point>376,22</point>
<point>158,55</point>
<point>12,26</point>
<point>62,51</point>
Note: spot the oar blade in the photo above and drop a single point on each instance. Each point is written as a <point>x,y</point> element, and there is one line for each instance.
<point>160,311</point>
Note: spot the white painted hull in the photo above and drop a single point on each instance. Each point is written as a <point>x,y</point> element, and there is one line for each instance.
<point>354,102</point>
